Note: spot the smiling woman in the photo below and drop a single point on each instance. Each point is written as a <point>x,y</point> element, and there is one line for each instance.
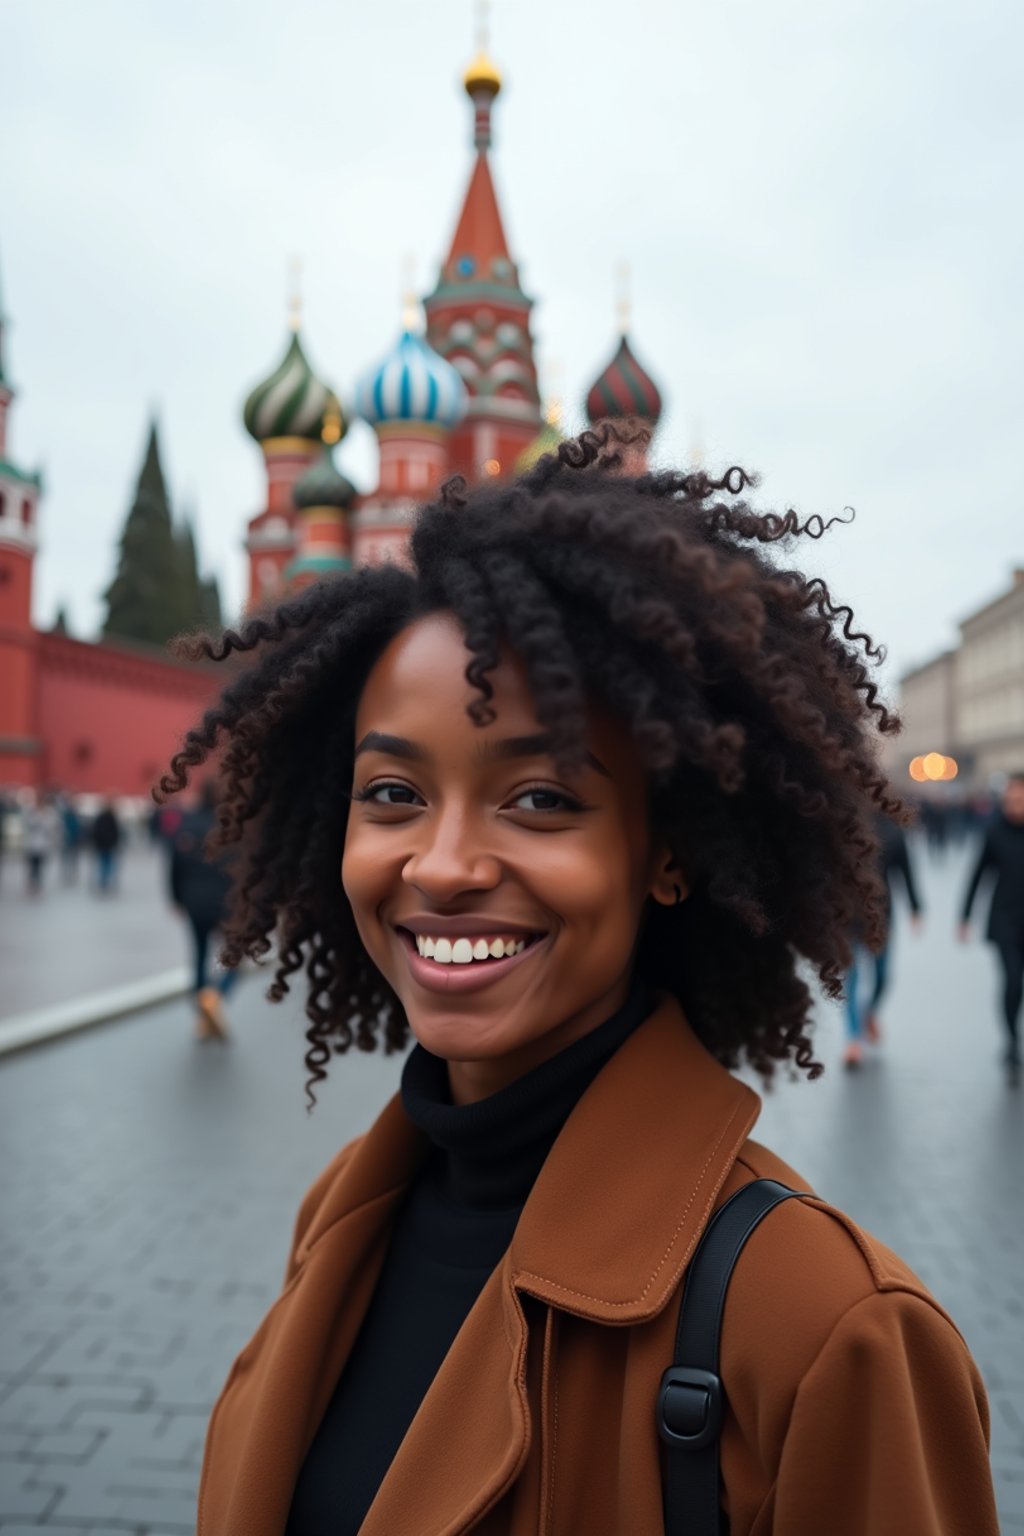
<point>575,800</point>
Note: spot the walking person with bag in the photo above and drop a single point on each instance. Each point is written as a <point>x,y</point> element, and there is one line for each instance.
<point>1001,861</point>
<point>576,801</point>
<point>199,884</point>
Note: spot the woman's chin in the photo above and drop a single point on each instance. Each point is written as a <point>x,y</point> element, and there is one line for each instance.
<point>458,1036</point>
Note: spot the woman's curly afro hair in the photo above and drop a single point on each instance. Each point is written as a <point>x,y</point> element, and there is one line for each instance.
<point>662,596</point>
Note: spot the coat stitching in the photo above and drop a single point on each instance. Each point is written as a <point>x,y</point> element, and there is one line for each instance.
<point>632,1300</point>
<point>553,1377</point>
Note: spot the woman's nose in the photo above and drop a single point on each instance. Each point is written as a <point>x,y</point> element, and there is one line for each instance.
<point>452,858</point>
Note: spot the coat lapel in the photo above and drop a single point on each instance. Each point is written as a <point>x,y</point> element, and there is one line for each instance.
<point>469,1441</point>
<point>628,1188</point>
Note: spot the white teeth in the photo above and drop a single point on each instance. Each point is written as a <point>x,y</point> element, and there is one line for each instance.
<point>463,951</point>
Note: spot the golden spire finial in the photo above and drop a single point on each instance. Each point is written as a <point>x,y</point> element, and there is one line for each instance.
<point>410,298</point>
<point>483,74</point>
<point>295,293</point>
<point>623,305</point>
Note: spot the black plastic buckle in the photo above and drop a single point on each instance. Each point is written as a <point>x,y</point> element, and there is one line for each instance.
<point>690,1404</point>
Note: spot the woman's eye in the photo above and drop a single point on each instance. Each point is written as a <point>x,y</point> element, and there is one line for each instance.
<point>389,794</point>
<point>543,800</point>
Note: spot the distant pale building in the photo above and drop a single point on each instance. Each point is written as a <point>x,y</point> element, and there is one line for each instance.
<point>989,684</point>
<point>928,708</point>
<point>968,703</point>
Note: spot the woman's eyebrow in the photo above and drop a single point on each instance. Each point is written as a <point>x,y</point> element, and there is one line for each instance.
<point>391,746</point>
<point>495,751</point>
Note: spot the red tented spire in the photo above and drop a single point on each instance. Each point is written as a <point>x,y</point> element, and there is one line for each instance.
<point>479,239</point>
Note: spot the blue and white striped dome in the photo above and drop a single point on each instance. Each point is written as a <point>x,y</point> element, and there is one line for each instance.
<point>414,383</point>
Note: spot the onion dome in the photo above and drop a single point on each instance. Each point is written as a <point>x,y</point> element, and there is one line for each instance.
<point>323,484</point>
<point>624,389</point>
<point>413,383</point>
<point>292,402</point>
<point>482,75</point>
<point>547,440</point>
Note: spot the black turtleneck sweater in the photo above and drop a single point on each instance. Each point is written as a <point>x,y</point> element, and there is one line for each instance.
<point>451,1231</point>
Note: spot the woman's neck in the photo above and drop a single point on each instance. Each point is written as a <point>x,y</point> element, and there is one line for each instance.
<point>471,1081</point>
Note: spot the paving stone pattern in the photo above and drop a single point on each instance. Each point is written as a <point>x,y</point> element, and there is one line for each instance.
<point>149,1185</point>
<point>69,942</point>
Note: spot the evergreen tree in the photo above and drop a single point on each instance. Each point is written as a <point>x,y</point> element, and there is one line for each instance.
<point>209,606</point>
<point>189,590</point>
<point>143,600</point>
<point>60,623</point>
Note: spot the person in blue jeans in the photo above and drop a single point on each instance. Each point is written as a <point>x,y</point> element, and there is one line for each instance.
<point>199,890</point>
<point>862,1017</point>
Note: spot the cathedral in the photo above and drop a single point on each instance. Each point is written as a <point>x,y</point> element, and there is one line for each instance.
<point>455,395</point>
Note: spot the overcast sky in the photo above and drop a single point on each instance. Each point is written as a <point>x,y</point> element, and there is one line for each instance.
<point>820,203</point>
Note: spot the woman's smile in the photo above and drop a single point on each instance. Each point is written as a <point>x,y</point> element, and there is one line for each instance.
<point>465,959</point>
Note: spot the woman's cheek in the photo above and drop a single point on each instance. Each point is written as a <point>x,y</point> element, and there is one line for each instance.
<point>362,877</point>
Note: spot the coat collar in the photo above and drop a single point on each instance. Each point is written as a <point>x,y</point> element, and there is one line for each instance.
<point>626,1192</point>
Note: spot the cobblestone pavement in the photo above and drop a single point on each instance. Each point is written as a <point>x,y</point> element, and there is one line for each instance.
<point>149,1186</point>
<point>69,942</point>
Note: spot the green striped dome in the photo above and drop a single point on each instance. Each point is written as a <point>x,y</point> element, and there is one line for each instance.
<point>293,402</point>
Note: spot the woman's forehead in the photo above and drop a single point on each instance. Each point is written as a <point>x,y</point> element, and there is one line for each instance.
<point>418,689</point>
<point>422,671</point>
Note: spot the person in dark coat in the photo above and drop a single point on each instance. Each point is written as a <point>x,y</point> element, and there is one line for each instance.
<point>200,885</point>
<point>1001,858</point>
<point>862,1021</point>
<point>106,837</point>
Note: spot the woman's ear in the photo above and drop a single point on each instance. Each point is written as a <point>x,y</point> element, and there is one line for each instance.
<point>669,886</point>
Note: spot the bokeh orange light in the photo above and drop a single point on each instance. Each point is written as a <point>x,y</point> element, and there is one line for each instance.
<point>933,768</point>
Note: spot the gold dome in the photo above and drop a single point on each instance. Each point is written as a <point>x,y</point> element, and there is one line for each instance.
<point>482,75</point>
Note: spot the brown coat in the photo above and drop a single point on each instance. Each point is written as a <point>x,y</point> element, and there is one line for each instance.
<point>854,1407</point>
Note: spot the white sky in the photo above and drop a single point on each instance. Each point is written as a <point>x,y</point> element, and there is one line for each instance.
<point>821,205</point>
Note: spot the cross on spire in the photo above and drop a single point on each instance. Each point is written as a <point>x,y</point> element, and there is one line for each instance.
<point>295,293</point>
<point>623,301</point>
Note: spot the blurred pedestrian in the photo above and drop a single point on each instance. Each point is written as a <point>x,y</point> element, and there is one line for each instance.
<point>1001,858</point>
<point>7,809</point>
<point>40,834</point>
<point>106,837</point>
<point>71,840</point>
<point>862,1019</point>
<point>200,885</point>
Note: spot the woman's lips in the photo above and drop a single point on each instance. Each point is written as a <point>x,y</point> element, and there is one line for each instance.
<point>460,978</point>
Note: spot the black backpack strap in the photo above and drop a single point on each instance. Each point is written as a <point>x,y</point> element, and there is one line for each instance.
<point>691,1400</point>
